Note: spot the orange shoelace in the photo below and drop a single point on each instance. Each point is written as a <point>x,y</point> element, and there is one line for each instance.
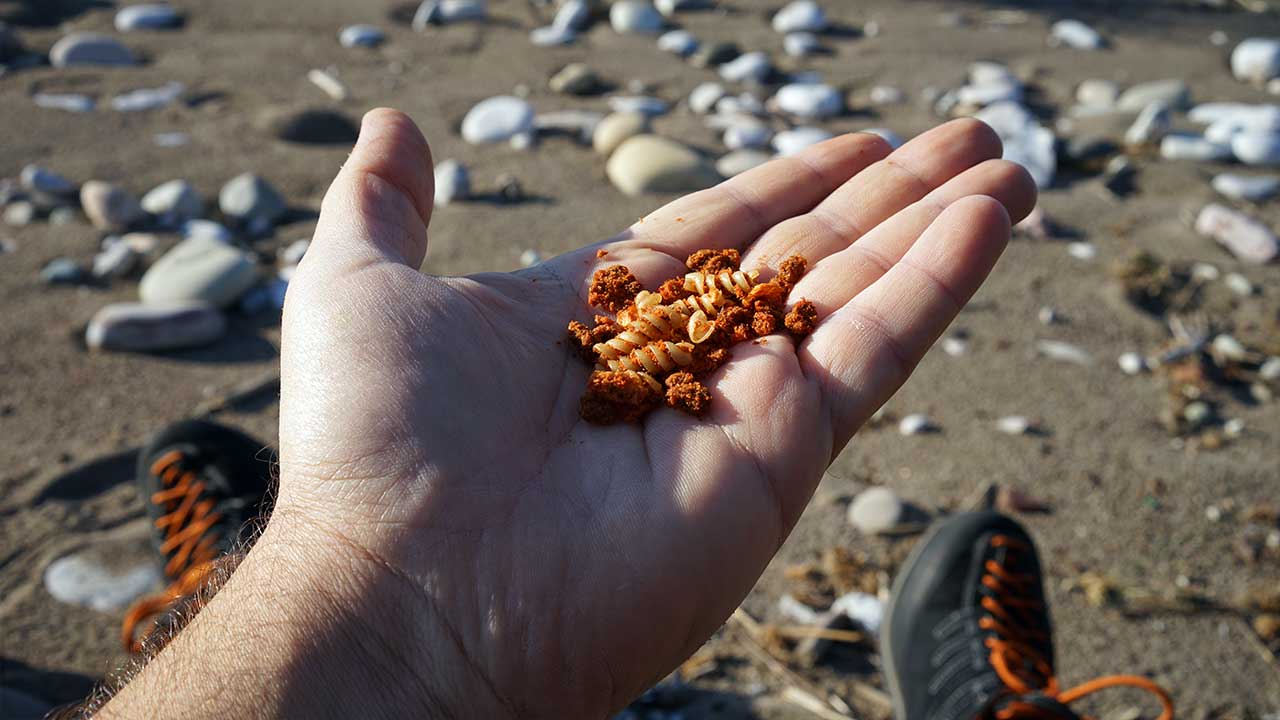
<point>188,542</point>
<point>1021,667</point>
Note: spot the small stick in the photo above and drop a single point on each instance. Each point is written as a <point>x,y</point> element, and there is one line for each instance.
<point>803,631</point>
<point>752,629</point>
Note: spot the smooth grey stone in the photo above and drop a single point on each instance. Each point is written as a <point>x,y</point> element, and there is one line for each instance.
<point>1188,146</point>
<point>648,163</point>
<point>248,197</point>
<point>678,42</point>
<point>580,124</point>
<point>982,95</point>
<point>19,213</point>
<point>116,261</point>
<point>810,102</point>
<point>801,44</point>
<point>748,134</point>
<point>81,48</point>
<point>703,98</point>
<point>1257,119</point>
<point>206,230</point>
<point>886,95</point>
<point>1246,238</point>
<point>199,269</point>
<point>1257,148</point>
<point>62,271</point>
<point>800,16</point>
<point>616,129</point>
<point>714,54</point>
<point>138,327</point>
<point>156,16</point>
<point>876,510</point>
<point>551,36</point>
<point>639,103</point>
<point>148,98</point>
<point>1075,34</point>
<point>572,15</point>
<point>790,142</point>
<point>1150,126</point>
<point>1063,352</point>
<point>1212,112</point>
<point>989,72</point>
<point>443,12</point>
<point>81,579</point>
<point>575,79</point>
<point>671,7</point>
<point>1026,142</point>
<point>634,17</point>
<point>174,202</point>
<point>40,180</point>
<point>1254,188</point>
<point>742,104</point>
<point>1256,60</point>
<point>740,161</point>
<point>109,207</point>
<point>171,139</point>
<point>1097,93</point>
<point>69,102</point>
<point>497,119</point>
<point>751,67</point>
<point>366,36</point>
<point>453,182</point>
<point>1173,92</point>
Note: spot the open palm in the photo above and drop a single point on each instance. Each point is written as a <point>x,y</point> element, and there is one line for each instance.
<point>430,425</point>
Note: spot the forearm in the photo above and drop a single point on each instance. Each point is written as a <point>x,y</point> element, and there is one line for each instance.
<point>301,630</point>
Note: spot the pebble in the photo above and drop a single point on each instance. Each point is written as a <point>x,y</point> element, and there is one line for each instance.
<point>366,36</point>
<point>671,7</point>
<point>1173,92</point>
<point>1048,316</point>
<point>876,510</point>
<point>19,213</point>
<point>109,207</point>
<point>572,15</point>
<point>800,16</point>
<point>801,44</point>
<point>115,261</point>
<point>292,254</point>
<point>1075,34</point>
<point>704,97</point>
<point>171,139</point>
<point>1014,425</point>
<point>743,104</point>
<point>747,134</point>
<point>1246,238</point>
<point>249,198</point>
<point>983,95</point>
<point>864,609</point>
<point>62,271</point>
<point>894,139</point>
<point>1131,363</point>
<point>1209,113</point>
<point>1205,272</point>
<point>678,42</point>
<point>1063,352</point>
<point>750,67</point>
<point>714,54</point>
<point>790,142</point>
<point>144,244</point>
<point>915,424</point>
<point>81,48</point>
<point>157,16</point>
<point>1082,250</point>
<point>639,103</point>
<point>70,102</point>
<point>80,579</point>
<point>452,182</point>
<point>1238,284</point>
<point>206,230</point>
<point>328,83</point>
<point>1254,188</point>
<point>1257,119</point>
<point>551,36</point>
<point>575,79</point>
<point>988,72</point>
<point>1097,93</point>
<point>955,346</point>
<point>148,98</point>
<point>740,161</point>
<point>634,17</point>
<point>579,123</point>
<point>1228,347</point>
<point>530,257</point>
<point>1026,142</point>
<point>37,179</point>
<point>1257,148</point>
<point>1270,369</point>
<point>1188,146</point>
<point>135,327</point>
<point>199,269</point>
<point>1256,60</point>
<point>174,203</point>
<point>810,102</point>
<point>616,129</point>
<point>648,163</point>
<point>1152,124</point>
<point>886,95</point>
<point>443,12</point>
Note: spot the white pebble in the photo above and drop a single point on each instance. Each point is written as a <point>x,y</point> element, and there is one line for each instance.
<point>955,346</point>
<point>800,16</point>
<point>1075,34</point>
<point>69,102</point>
<point>747,135</point>
<point>1229,347</point>
<point>1256,60</point>
<point>1186,146</point>
<point>1131,363</point>
<point>1205,272</point>
<point>1238,284</point>
<point>1063,352</point>
<point>452,182</point>
<point>530,257</point>
<point>78,580</point>
<point>572,15</point>
<point>678,42</point>
<point>1246,238</point>
<point>790,142</point>
<point>1257,148</point>
<point>915,424</point>
<point>551,36</point>
<point>810,102</point>
<point>328,83</point>
<point>1082,250</point>
<point>497,119</point>
<point>704,97</point>
<point>1152,123</point>
<point>366,36</point>
<point>147,98</point>
<point>801,44</point>
<point>748,67</point>
<point>1270,369</point>
<point>886,95</point>
<point>1233,428</point>
<point>1047,316</point>
<point>634,17</point>
<point>642,104</point>
<point>1014,425</point>
<point>1254,188</point>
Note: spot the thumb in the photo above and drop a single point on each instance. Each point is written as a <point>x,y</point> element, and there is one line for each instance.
<point>378,207</point>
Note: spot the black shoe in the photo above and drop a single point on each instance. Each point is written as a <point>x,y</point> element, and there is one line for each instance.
<point>968,632</point>
<point>204,486</point>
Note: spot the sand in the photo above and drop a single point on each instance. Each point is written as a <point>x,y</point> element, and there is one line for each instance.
<point>70,420</point>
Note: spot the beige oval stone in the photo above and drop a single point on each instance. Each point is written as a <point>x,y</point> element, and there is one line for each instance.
<point>135,327</point>
<point>109,207</point>
<point>615,129</point>
<point>648,163</point>
<point>199,269</point>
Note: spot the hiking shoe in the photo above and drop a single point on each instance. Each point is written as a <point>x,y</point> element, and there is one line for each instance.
<point>203,484</point>
<point>968,633</point>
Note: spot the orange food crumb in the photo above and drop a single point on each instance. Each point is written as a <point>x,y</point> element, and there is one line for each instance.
<point>764,323</point>
<point>791,270</point>
<point>713,261</point>
<point>680,378</point>
<point>693,398</point>
<point>673,290</point>
<point>766,296</point>
<point>602,253</point>
<point>614,397</point>
<point>802,319</point>
<point>613,287</point>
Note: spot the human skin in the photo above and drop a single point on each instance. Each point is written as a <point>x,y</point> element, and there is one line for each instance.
<point>451,539</point>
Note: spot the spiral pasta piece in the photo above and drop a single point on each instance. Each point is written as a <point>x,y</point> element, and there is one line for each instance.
<point>708,302</point>
<point>655,358</point>
<point>624,343</point>
<point>735,282</point>
<point>700,328</point>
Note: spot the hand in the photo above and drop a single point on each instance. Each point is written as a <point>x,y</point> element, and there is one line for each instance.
<point>521,560</point>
